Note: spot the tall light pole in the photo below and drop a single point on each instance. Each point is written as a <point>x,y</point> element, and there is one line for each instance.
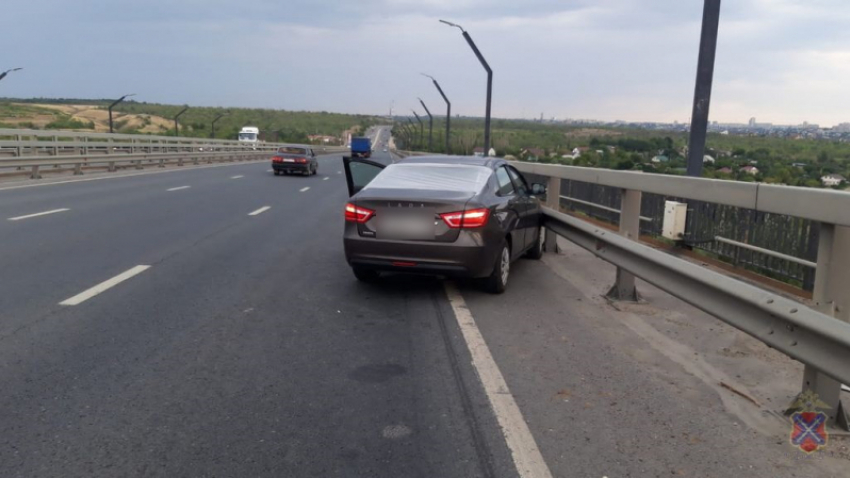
<point>702,91</point>
<point>412,130</point>
<point>176,117</point>
<point>430,127</point>
<point>113,105</point>
<point>448,111</point>
<point>3,75</point>
<point>421,129</point>
<point>220,116</point>
<point>489,83</point>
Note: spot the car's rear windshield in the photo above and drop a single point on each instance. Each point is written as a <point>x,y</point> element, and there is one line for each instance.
<point>432,177</point>
<point>291,150</point>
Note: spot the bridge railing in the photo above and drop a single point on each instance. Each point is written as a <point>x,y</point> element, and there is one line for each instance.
<point>35,150</point>
<point>817,336</point>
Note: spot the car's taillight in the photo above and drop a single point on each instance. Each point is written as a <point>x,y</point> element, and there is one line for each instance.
<point>276,159</point>
<point>357,214</point>
<point>301,160</point>
<point>466,219</point>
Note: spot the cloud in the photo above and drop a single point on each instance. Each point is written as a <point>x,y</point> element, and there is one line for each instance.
<point>779,60</point>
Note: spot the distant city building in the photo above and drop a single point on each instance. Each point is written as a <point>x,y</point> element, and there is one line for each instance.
<point>752,122</point>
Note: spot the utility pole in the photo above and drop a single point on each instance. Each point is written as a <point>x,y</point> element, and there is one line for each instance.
<point>702,91</point>
<point>113,105</point>
<point>448,113</point>
<point>176,124</point>
<point>430,127</point>
<point>489,83</point>
<point>220,116</point>
<point>421,129</point>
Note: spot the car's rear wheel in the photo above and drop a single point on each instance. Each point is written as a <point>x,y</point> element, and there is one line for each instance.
<point>277,173</point>
<point>536,251</point>
<point>498,280</point>
<point>364,274</point>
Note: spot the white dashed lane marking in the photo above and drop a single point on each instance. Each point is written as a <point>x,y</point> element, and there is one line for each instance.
<point>260,211</point>
<point>103,286</point>
<point>54,211</point>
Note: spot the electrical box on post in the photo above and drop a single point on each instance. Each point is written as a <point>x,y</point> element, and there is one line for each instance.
<point>675,215</point>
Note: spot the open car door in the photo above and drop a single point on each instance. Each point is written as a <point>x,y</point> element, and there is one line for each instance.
<point>359,172</point>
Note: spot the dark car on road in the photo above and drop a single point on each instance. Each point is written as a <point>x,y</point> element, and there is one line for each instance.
<point>440,215</point>
<point>295,159</point>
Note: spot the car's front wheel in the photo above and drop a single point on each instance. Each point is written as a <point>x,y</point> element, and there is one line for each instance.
<point>536,251</point>
<point>498,280</point>
<point>364,274</point>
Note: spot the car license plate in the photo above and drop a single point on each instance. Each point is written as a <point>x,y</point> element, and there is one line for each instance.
<point>410,224</point>
<point>288,160</point>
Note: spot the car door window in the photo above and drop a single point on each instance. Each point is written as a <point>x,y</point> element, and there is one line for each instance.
<point>359,173</point>
<point>506,187</point>
<point>519,182</point>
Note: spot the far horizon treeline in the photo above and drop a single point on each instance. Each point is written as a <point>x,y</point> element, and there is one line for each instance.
<point>275,125</point>
<point>796,162</point>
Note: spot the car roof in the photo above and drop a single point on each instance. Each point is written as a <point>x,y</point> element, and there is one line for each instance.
<point>491,163</point>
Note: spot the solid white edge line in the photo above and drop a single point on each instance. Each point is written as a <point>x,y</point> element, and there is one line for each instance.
<point>237,177</point>
<point>107,284</point>
<point>260,211</point>
<point>526,456</point>
<point>53,211</point>
<point>304,189</point>
<point>178,188</point>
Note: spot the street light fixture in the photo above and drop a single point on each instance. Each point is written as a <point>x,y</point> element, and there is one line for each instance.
<point>176,117</point>
<point>421,129</point>
<point>489,83</point>
<point>3,75</point>
<point>430,127</point>
<point>112,105</point>
<point>448,111</point>
<point>220,116</point>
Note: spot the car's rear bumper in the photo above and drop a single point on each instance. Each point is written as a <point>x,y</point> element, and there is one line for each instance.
<point>466,257</point>
<point>297,167</point>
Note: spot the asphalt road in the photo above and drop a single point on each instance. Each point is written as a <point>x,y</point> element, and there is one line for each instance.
<point>247,348</point>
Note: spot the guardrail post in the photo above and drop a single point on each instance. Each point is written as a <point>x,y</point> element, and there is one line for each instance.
<point>55,146</point>
<point>35,174</point>
<point>180,161</point>
<point>624,288</point>
<point>112,166</point>
<point>78,169</point>
<point>553,200</point>
<point>161,163</point>
<point>830,296</point>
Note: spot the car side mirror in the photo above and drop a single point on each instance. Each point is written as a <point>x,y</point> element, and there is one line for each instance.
<point>538,189</point>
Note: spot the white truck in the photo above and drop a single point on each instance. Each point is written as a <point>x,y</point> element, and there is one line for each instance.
<point>250,134</point>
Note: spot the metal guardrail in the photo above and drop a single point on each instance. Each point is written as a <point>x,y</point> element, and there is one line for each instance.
<point>37,149</point>
<point>819,337</point>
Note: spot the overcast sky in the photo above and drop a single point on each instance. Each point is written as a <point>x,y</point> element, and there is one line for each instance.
<point>781,61</point>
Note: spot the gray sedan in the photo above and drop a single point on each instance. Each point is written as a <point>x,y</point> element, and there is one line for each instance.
<point>441,215</point>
